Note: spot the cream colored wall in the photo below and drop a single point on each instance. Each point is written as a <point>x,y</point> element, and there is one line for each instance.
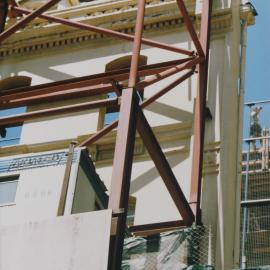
<point>37,195</point>
<point>153,202</point>
<point>71,242</point>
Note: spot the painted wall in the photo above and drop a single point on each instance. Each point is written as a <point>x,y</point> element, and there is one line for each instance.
<point>39,187</point>
<point>57,243</point>
<point>153,201</point>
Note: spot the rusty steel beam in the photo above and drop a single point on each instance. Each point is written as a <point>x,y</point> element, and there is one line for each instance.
<point>55,96</point>
<point>108,32</point>
<point>133,75</point>
<point>3,14</point>
<point>32,15</point>
<point>190,27</point>
<point>166,89</point>
<point>20,118</point>
<point>124,147</point>
<point>199,117</point>
<point>164,168</point>
<point>122,165</point>
<point>169,72</point>
<point>98,135</point>
<point>154,228</point>
<point>89,80</point>
<point>94,138</point>
<point>41,95</point>
<point>13,13</point>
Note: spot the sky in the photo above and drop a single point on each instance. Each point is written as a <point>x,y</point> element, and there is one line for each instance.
<point>258,56</point>
<point>257,86</point>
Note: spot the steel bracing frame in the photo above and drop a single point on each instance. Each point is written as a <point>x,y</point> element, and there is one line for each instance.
<point>131,108</point>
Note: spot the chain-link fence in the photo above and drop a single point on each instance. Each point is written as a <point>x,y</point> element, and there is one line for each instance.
<point>255,188</point>
<point>190,248</point>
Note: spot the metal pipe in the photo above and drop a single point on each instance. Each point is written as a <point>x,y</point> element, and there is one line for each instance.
<point>190,28</point>
<point>46,94</point>
<point>164,168</point>
<point>65,183</point>
<point>100,78</point>
<point>169,72</point>
<point>255,203</point>
<point>19,118</point>
<point>124,146</point>
<point>199,114</point>
<point>241,95</point>
<point>101,133</point>
<point>133,75</point>
<point>145,103</point>
<point>32,15</point>
<point>252,103</point>
<point>245,214</point>
<point>255,138</point>
<point>166,89</point>
<point>109,32</point>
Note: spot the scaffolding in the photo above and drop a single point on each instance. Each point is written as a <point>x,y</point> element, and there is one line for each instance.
<point>255,192</point>
<point>131,117</point>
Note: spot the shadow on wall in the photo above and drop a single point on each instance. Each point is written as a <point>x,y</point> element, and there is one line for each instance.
<point>152,174</point>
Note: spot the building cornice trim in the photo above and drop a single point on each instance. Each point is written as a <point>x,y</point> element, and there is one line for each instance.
<point>40,36</point>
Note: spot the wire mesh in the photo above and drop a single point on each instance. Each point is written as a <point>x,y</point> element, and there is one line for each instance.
<point>255,189</point>
<point>257,235</point>
<point>190,248</point>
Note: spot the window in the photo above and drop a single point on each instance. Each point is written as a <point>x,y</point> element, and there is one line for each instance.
<point>8,188</point>
<point>10,135</point>
<point>120,63</point>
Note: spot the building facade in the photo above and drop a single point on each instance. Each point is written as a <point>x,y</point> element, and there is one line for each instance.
<point>50,52</point>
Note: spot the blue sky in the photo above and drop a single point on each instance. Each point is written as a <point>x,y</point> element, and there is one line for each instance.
<point>258,70</point>
<point>257,67</point>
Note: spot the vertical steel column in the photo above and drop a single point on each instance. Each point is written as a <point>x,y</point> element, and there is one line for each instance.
<point>124,147</point>
<point>3,14</point>
<point>199,116</point>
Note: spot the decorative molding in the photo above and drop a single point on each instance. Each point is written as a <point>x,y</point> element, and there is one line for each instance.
<point>178,134</point>
<point>40,36</point>
<point>35,161</point>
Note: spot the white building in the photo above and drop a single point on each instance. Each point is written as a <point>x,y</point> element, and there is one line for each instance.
<point>52,52</point>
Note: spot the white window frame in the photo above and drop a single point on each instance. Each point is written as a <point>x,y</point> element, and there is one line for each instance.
<point>5,179</point>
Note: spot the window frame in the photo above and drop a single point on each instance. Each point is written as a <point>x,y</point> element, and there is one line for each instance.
<point>122,62</point>
<point>10,178</point>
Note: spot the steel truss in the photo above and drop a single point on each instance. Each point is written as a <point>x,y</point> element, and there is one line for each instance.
<point>131,113</point>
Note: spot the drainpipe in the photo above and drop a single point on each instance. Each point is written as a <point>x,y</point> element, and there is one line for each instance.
<point>241,95</point>
<point>65,183</point>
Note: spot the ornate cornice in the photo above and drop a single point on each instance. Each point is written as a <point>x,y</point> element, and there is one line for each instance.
<point>177,136</point>
<point>42,37</point>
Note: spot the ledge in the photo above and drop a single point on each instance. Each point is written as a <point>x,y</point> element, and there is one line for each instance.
<point>40,36</point>
<point>176,135</point>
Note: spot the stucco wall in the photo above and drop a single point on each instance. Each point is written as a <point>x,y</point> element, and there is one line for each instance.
<point>153,201</point>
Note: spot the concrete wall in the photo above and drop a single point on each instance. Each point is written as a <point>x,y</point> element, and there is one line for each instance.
<point>70,242</point>
<point>37,196</point>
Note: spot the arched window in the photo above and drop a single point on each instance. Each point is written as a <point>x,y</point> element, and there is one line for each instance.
<point>120,63</point>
